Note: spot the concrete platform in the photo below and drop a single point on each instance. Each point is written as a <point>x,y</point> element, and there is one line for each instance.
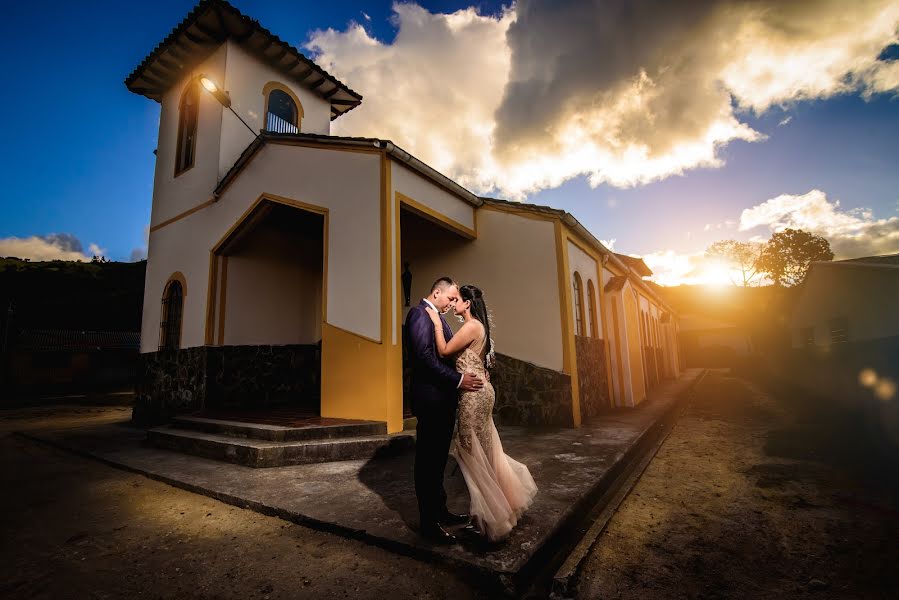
<point>374,500</point>
<point>250,451</point>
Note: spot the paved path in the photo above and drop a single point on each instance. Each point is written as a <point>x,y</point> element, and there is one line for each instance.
<point>374,500</point>
<point>755,496</point>
<point>76,528</point>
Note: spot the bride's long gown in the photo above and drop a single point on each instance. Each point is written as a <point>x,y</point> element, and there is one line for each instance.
<point>501,488</point>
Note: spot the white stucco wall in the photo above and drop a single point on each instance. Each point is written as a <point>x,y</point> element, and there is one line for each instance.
<point>174,195</point>
<point>274,290</point>
<point>519,281</point>
<point>346,183</point>
<point>245,78</point>
<point>867,296</point>
<point>414,186</point>
<point>582,263</point>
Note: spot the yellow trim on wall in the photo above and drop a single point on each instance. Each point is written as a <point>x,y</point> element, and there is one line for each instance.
<point>223,289</point>
<point>354,378</point>
<point>440,219</point>
<point>569,364</point>
<point>180,216</point>
<point>275,85</point>
<point>210,299</point>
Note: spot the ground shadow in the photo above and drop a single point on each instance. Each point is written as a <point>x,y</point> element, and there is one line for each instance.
<point>390,476</point>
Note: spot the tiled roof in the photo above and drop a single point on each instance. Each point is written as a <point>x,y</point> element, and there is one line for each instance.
<point>205,28</point>
<point>616,283</point>
<point>636,264</point>
<point>883,259</point>
<point>43,340</point>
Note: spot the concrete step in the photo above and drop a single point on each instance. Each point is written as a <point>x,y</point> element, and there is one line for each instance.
<point>262,453</point>
<point>279,433</point>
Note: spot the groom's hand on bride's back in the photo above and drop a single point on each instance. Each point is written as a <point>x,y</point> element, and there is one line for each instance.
<point>471,383</point>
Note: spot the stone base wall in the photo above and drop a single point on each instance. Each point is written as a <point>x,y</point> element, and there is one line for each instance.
<point>530,395</point>
<point>178,381</point>
<point>593,379</point>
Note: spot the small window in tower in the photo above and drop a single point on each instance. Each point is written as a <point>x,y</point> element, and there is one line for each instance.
<point>282,114</point>
<point>188,116</point>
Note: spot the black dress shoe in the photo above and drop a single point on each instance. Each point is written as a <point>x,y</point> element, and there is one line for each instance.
<point>449,518</point>
<point>472,532</point>
<point>437,534</point>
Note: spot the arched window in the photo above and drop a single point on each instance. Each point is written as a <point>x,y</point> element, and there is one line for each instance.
<point>188,116</point>
<point>172,311</point>
<point>578,305</point>
<point>591,302</point>
<point>283,111</point>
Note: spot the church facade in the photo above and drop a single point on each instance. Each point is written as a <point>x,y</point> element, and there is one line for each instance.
<point>282,259</point>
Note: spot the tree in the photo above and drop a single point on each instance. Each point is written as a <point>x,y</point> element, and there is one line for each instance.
<point>787,255</point>
<point>742,256</point>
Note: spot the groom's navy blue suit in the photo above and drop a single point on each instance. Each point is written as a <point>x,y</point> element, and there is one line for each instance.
<point>434,400</point>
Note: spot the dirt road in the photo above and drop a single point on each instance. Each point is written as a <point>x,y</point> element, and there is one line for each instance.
<point>754,495</point>
<point>75,528</point>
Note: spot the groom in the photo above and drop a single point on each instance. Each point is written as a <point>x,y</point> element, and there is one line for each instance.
<point>435,388</point>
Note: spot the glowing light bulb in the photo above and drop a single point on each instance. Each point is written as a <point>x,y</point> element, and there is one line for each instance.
<point>209,85</point>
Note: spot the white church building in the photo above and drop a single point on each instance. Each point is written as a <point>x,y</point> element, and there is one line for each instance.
<point>281,258</point>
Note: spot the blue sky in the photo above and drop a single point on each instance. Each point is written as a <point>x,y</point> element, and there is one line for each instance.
<point>77,152</point>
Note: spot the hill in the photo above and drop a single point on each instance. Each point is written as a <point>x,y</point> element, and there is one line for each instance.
<point>73,295</point>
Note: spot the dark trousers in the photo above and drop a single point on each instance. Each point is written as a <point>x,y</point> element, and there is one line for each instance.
<point>434,434</point>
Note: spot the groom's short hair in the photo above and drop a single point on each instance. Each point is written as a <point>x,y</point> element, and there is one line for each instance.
<point>442,283</point>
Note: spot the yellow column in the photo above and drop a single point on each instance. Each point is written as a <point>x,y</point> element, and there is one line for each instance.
<point>569,352</point>
<point>363,378</point>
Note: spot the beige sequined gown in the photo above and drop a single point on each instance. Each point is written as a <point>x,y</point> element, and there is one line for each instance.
<point>501,488</point>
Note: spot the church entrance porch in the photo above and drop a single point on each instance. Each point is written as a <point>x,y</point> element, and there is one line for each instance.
<point>426,252</point>
<point>266,314</point>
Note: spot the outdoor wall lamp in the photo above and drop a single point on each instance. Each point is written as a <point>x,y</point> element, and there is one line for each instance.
<point>222,96</point>
<point>213,89</point>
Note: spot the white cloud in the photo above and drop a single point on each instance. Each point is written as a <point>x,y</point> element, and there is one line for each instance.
<point>55,246</point>
<point>544,91</point>
<point>785,120</point>
<point>140,253</point>
<point>610,244</point>
<point>96,250</point>
<point>851,233</point>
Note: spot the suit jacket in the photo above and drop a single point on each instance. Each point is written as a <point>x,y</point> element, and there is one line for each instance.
<point>434,379</point>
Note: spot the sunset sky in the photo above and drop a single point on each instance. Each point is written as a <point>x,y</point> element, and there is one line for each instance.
<point>662,126</point>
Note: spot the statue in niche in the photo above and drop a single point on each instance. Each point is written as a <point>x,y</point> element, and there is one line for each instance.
<point>407,282</point>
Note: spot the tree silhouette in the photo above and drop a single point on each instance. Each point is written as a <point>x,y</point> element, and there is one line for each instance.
<point>787,255</point>
<point>742,256</point>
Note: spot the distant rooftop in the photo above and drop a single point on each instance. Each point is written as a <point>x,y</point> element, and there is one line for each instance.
<point>883,259</point>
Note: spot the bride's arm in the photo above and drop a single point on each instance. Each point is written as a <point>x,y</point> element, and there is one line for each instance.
<point>463,338</point>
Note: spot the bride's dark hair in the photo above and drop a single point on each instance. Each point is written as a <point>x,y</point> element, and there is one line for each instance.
<point>479,311</point>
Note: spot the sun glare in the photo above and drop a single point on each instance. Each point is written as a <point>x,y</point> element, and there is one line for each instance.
<point>717,275</point>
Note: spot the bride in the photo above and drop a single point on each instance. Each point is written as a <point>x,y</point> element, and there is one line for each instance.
<point>501,489</point>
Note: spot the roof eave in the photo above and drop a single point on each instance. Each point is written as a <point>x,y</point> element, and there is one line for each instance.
<point>210,24</point>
